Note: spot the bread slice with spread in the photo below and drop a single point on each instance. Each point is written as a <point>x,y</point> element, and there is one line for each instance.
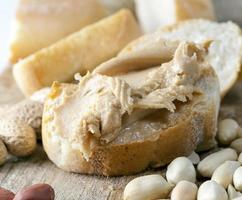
<point>224,52</point>
<point>137,118</point>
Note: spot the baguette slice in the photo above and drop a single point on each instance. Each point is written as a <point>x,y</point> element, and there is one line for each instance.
<point>157,13</point>
<point>225,50</point>
<point>39,23</point>
<point>79,52</point>
<point>154,129</point>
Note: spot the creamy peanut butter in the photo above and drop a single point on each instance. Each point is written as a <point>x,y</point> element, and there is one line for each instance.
<point>100,108</point>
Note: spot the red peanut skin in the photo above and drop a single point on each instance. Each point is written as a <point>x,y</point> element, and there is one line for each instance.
<point>6,194</point>
<point>39,191</point>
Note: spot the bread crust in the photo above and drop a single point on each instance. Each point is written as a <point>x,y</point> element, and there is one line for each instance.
<point>62,60</point>
<point>40,24</point>
<point>196,123</point>
<point>132,158</point>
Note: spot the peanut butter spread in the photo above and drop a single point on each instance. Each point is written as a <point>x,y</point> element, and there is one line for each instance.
<point>95,111</point>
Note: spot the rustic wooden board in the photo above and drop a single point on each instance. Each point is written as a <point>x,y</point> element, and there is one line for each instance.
<point>68,186</point>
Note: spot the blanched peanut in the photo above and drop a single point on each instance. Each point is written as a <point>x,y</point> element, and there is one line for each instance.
<point>184,190</point>
<point>240,158</point>
<point>194,158</point>
<point>180,169</point>
<point>210,190</point>
<point>237,145</point>
<point>238,198</point>
<point>233,193</point>
<point>223,175</point>
<point>240,132</point>
<point>227,131</point>
<point>210,163</point>
<point>237,179</point>
<point>147,187</point>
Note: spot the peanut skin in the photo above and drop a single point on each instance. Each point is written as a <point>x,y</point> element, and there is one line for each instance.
<point>39,191</point>
<point>6,194</point>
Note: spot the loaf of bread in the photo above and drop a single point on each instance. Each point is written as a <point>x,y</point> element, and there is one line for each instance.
<point>79,52</point>
<point>41,23</point>
<point>157,13</point>
<point>141,116</point>
<point>224,52</point>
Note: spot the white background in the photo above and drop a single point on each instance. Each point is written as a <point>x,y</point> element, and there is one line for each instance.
<point>7,8</point>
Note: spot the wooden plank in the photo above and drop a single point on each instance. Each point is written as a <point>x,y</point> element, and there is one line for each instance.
<point>18,173</point>
<point>37,168</point>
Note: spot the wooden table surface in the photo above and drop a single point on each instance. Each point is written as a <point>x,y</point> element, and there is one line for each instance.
<point>69,186</point>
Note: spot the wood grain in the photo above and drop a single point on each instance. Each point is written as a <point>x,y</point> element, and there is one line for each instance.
<point>18,173</point>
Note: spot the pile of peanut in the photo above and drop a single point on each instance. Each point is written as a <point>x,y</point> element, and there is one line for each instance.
<point>222,171</point>
<point>39,191</point>
<point>20,126</point>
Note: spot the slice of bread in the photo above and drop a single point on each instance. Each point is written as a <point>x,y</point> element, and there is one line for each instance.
<point>153,130</point>
<point>157,13</point>
<point>225,50</point>
<point>41,23</point>
<point>79,52</point>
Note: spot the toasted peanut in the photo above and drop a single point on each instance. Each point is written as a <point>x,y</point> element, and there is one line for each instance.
<point>223,175</point>
<point>184,190</point>
<point>233,193</point>
<point>180,169</point>
<point>210,163</point>
<point>210,190</point>
<point>194,158</point>
<point>147,187</point>
<point>6,194</point>
<point>227,131</point>
<point>36,192</point>
<point>237,145</point>
<point>237,179</point>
